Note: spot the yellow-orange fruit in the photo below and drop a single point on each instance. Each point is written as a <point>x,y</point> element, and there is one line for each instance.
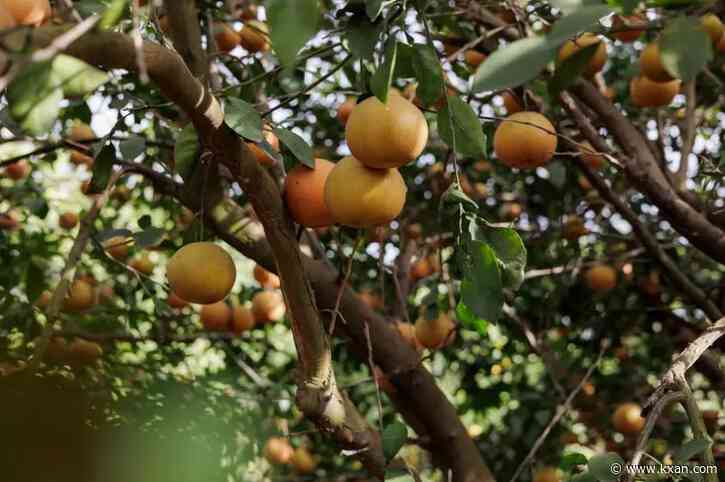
<point>265,278</point>
<point>304,190</point>
<point>80,296</point>
<point>474,58</point>
<point>174,301</point>
<point>68,220</point>
<point>386,135</point>
<point>414,231</point>
<point>423,268</point>
<point>627,418</point>
<point>547,474</point>
<point>601,278</point>
<point>303,462</point>
<point>345,109</point>
<point>80,158</point>
<point>242,319</point>
<point>164,24</point>
<point>511,103</point>
<point>84,352</point>
<point>81,132</point>
<point>44,299</point>
<point>225,36</point>
<point>6,18</point>
<point>650,64</point>
<point>57,350</point>
<point>647,93</point>
<point>510,211</point>
<point>630,22</point>
<point>254,36</point>
<point>596,63</point>
<point>18,170</point>
<point>28,12</point>
<point>408,334</point>
<point>9,221</point>
<point>268,306</point>
<point>713,26</point>
<point>249,13</point>
<point>360,197</point>
<point>721,44</point>
<point>590,155</point>
<point>262,157</point>
<point>117,247</point>
<point>105,293</point>
<point>201,273</point>
<point>278,451</point>
<point>371,299</point>
<point>216,316</point>
<point>537,150</point>
<point>573,228</point>
<point>143,264</point>
<point>435,333</point>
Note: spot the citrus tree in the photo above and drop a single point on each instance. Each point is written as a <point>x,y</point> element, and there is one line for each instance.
<point>367,239</point>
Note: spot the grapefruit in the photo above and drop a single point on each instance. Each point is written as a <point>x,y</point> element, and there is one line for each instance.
<point>80,296</point>
<point>278,451</point>
<point>254,36</point>
<point>650,64</point>
<point>268,306</point>
<point>596,62</point>
<point>647,93</point>
<point>304,190</point>
<point>28,12</point>
<point>631,23</point>
<point>540,142</point>
<point>242,319</point>
<point>601,278</point>
<point>225,36</point>
<point>627,418</point>
<point>68,220</point>
<point>216,316</point>
<point>435,333</point>
<point>201,273</point>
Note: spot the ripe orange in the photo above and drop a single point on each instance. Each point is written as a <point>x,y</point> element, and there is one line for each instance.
<point>278,451</point>
<point>18,170</point>
<point>511,103</point>
<point>423,268</point>
<point>262,157</point>
<point>174,301</point>
<point>721,44</point>
<point>6,18</point>
<point>225,36</point>
<point>360,197</point>
<point>268,306</point>
<point>386,135</point>
<point>117,247</point>
<point>84,352</point>
<point>547,474</point>
<point>68,220</point>
<point>143,264</point>
<point>628,418</point>
<point>540,142</point>
<point>57,350</point>
<point>216,316</point>
<point>266,278</point>
<point>304,191</point>
<point>9,221</point>
<point>303,461</point>
<point>345,109</point>
<point>371,299</point>
<point>601,278</point>
<point>249,13</point>
<point>647,93</point>
<point>414,231</point>
<point>631,21</point>
<point>596,63</point>
<point>407,332</point>
<point>254,36</point>
<point>242,319</point>
<point>573,228</point>
<point>713,26</point>
<point>201,273</point>
<point>510,211</point>
<point>590,155</point>
<point>80,158</point>
<point>474,58</point>
<point>650,64</point>
<point>435,333</point>
<point>28,12</point>
<point>80,296</point>
<point>44,299</point>
<point>81,132</point>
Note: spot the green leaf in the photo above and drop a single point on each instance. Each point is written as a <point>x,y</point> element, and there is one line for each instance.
<point>291,25</point>
<point>469,320</point>
<point>76,77</point>
<point>572,460</point>
<point>569,6</point>
<point>148,237</point>
<point>373,8</point>
<point>460,128</point>
<point>186,151</point>
<point>429,73</point>
<point>511,254</point>
<point>383,77</point>
<point>35,279</point>
<point>34,97</point>
<point>404,62</point>
<point>685,48</point>
<point>102,167</point>
<point>132,147</point>
<point>557,174</point>
<point>581,19</point>
<point>362,36</point>
<point>602,466</point>
<point>144,221</point>
<point>297,146</point>
<point>570,69</point>
<point>244,119</point>
<point>394,437</point>
<point>690,449</point>
<point>113,14</point>
<point>454,195</point>
<point>481,290</point>
<point>513,64</point>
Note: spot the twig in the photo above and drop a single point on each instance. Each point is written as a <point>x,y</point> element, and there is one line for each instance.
<point>143,73</point>
<point>699,431</point>
<point>371,363</point>
<point>343,283</point>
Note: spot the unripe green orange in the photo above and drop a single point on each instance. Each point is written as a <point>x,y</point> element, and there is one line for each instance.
<point>596,62</point>
<point>216,316</point>
<point>201,273</point>
<point>360,197</point>
<point>80,296</point>
<point>627,418</point>
<point>647,93</point>
<point>601,278</point>
<point>386,135</point>
<point>540,144</point>
<point>305,194</point>
<point>650,64</point>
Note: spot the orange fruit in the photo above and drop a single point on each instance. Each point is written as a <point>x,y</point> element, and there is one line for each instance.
<point>597,61</point>
<point>371,299</point>
<point>174,301</point>
<point>117,247</point>
<point>302,461</point>
<point>268,306</point>
<point>17,170</point>
<point>57,350</point>
<point>386,135</point>
<point>216,316</point>
<point>414,231</point>
<point>435,333</point>
<point>6,18</point>
<point>474,58</point>
<point>650,64</point>
<point>266,278</point>
<point>68,220</point>
<point>422,268</point>
<point>627,418</point>
<point>249,13</point>
<point>713,26</point>
<point>80,158</point>
<point>511,102</point>
<point>262,157</point>
<point>590,155</point>
<point>345,109</point>
<point>601,278</point>
<point>407,332</point>
<point>360,197</point>
<point>84,352</point>
<point>546,474</point>
<point>80,296</point>
<point>225,36</point>
<point>9,221</point>
<point>81,132</point>
<point>201,273</point>
<point>510,211</point>
<point>143,264</point>
<point>242,319</point>
<point>540,142</point>
<point>254,36</point>
<point>278,451</point>
<point>721,44</point>
<point>647,93</point>
<point>631,21</point>
<point>28,12</point>
<point>304,191</point>
<point>573,228</point>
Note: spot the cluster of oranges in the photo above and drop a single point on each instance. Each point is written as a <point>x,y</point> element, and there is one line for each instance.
<point>366,188</point>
